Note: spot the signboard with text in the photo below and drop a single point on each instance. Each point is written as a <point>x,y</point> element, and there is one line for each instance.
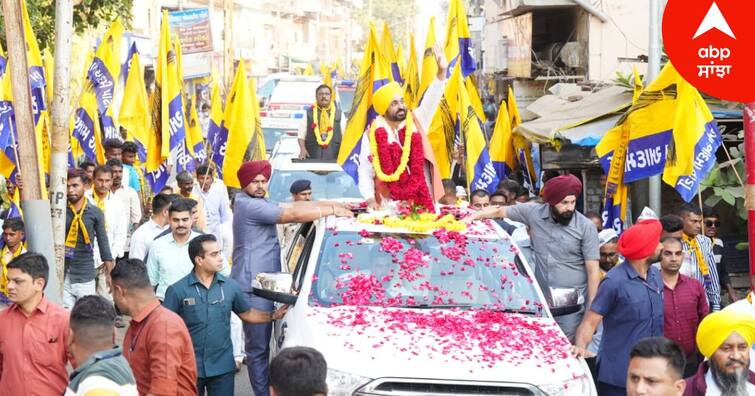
<point>193,28</point>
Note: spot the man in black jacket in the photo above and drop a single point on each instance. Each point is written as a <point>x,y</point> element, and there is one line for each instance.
<point>322,138</point>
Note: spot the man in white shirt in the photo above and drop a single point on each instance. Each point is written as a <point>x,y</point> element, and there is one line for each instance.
<point>143,237</point>
<point>116,223</point>
<point>168,259</point>
<point>214,196</point>
<point>130,199</point>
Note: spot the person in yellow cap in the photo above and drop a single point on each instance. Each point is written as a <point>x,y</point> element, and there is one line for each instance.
<point>725,339</point>
<point>394,151</point>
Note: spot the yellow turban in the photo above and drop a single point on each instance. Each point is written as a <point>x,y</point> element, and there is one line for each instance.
<point>718,326</point>
<point>383,97</point>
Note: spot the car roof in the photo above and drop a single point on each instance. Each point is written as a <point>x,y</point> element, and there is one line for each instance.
<point>286,145</point>
<point>291,163</point>
<point>292,78</point>
<point>485,229</point>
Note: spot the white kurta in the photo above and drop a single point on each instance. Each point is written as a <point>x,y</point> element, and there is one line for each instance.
<point>424,116</point>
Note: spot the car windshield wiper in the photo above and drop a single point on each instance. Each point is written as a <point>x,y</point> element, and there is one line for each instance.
<point>518,311</point>
<point>434,306</point>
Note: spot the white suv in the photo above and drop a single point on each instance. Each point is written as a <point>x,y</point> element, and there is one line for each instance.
<point>397,312</point>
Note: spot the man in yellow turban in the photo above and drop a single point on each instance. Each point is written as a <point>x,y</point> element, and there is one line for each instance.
<point>396,158</point>
<point>725,338</point>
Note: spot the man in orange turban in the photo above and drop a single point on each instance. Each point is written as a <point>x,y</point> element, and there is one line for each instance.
<point>396,158</point>
<point>629,303</point>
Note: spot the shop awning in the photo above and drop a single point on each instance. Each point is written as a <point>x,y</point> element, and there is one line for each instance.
<point>570,114</point>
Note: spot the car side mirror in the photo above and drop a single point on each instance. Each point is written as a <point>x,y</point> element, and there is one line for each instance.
<point>565,301</point>
<point>275,286</point>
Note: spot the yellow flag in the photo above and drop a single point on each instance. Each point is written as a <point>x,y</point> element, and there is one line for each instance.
<point>258,150</point>
<point>308,71</point>
<point>194,140</point>
<point>429,64</point>
<point>411,75</point>
<point>401,60</point>
<point>135,116</point>
<point>389,55</point>
<point>373,73</point>
<point>514,117</point>
<point>49,63</point>
<point>168,83</point>
<point>474,98</point>
<point>240,126</point>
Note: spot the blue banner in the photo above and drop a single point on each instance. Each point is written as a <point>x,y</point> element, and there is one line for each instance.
<point>83,131</point>
<point>184,160</point>
<point>158,178</point>
<point>646,156</point>
<point>7,124</point>
<point>485,177</point>
<point>126,66</point>
<point>705,159</point>
<point>109,131</point>
<point>104,85</point>
<point>176,124</point>
<point>612,216</point>
<point>218,150</point>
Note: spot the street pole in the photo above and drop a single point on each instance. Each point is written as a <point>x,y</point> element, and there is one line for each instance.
<point>749,125</point>
<point>60,114</point>
<point>36,210</point>
<point>654,67</point>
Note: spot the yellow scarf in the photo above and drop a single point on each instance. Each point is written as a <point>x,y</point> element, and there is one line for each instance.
<point>4,267</point>
<point>76,223</point>
<point>324,122</point>
<point>694,247</point>
<point>99,202</point>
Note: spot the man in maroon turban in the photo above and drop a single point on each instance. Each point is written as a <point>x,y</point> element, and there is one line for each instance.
<point>629,303</point>
<point>256,250</point>
<point>565,243</point>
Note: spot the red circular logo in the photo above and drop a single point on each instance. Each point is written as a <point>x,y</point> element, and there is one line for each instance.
<point>707,41</point>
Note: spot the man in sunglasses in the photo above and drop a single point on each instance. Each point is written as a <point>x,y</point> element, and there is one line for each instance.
<point>711,225</point>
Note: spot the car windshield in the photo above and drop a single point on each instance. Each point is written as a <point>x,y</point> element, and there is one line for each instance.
<point>325,184</point>
<point>443,270</point>
<point>347,98</point>
<point>294,92</point>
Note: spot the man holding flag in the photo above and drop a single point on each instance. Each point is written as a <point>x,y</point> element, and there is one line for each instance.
<point>393,151</point>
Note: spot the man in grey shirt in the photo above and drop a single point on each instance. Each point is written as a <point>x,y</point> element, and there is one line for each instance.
<point>564,241</point>
<point>256,250</point>
<point>85,223</point>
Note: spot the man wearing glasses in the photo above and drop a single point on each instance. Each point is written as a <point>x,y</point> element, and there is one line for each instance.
<point>321,139</point>
<point>712,224</point>
<point>204,299</point>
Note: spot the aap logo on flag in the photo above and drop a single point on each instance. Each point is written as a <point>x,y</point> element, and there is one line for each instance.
<point>710,43</point>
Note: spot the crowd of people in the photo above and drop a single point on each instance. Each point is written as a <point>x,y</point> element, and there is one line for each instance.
<point>650,317</point>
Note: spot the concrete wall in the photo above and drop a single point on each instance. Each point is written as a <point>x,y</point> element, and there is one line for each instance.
<point>624,35</point>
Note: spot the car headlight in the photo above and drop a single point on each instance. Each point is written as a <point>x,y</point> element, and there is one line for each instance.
<point>577,386</point>
<point>344,384</point>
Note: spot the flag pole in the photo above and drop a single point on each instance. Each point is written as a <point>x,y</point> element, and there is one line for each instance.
<point>38,224</point>
<point>749,126</point>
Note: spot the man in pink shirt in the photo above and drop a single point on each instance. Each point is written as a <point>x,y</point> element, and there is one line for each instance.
<point>33,333</point>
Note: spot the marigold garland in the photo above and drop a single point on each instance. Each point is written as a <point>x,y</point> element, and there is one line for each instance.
<point>405,151</point>
<point>331,115</point>
<point>424,222</point>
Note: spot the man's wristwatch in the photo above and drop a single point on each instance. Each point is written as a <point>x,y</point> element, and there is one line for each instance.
<point>272,316</point>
